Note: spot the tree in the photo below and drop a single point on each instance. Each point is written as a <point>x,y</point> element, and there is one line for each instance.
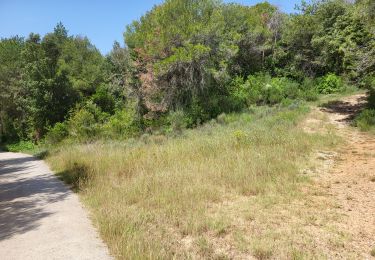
<point>11,110</point>
<point>186,52</point>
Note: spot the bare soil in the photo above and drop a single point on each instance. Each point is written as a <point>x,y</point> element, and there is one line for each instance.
<point>346,179</point>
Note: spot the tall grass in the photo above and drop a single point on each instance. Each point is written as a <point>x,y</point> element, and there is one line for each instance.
<point>366,119</point>
<point>154,197</point>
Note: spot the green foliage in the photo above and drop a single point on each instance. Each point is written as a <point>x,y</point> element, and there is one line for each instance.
<point>309,90</point>
<point>327,37</point>
<point>43,79</point>
<point>371,98</point>
<point>86,122</point>
<point>366,119</point>
<point>21,146</point>
<point>103,99</point>
<point>187,63</point>
<point>12,124</point>
<point>123,124</point>
<point>57,133</point>
<point>184,63</point>
<point>178,120</point>
<point>263,89</point>
<point>330,84</point>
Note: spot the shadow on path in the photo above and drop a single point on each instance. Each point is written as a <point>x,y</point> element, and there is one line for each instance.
<point>347,109</point>
<point>25,189</point>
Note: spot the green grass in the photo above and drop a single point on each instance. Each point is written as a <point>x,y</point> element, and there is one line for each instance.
<point>27,147</point>
<point>348,91</point>
<point>165,197</point>
<point>22,146</point>
<point>366,120</point>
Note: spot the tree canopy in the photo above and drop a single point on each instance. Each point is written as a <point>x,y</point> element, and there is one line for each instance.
<point>200,57</point>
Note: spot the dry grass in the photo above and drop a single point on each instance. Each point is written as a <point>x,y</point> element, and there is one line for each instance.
<point>210,193</point>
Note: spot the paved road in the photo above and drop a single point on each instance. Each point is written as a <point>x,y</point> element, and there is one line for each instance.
<point>40,218</point>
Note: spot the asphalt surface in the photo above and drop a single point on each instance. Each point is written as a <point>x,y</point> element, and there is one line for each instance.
<point>41,218</point>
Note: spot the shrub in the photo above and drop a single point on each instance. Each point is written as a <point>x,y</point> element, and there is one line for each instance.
<point>196,114</point>
<point>330,84</point>
<point>86,122</point>
<point>104,100</point>
<point>368,82</point>
<point>238,92</point>
<point>366,120</point>
<point>57,133</point>
<point>178,120</point>
<point>261,89</point>
<point>258,89</point>
<point>21,146</point>
<point>123,124</point>
<point>371,99</point>
<point>291,89</point>
<point>273,94</point>
<point>309,90</point>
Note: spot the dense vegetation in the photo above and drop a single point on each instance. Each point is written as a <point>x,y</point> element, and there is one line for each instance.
<point>184,63</point>
<point>187,142</point>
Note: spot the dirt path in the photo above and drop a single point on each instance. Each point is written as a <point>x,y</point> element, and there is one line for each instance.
<point>40,218</point>
<point>348,182</point>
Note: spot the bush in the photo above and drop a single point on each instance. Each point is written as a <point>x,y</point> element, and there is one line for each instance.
<point>261,89</point>
<point>197,114</point>
<point>178,120</point>
<point>273,94</point>
<point>57,133</point>
<point>21,146</point>
<point>86,123</point>
<point>291,89</point>
<point>123,124</point>
<point>371,99</point>
<point>238,92</point>
<point>330,84</point>
<point>366,120</point>
<point>254,90</point>
<point>104,100</point>
<point>368,82</point>
<point>309,90</point>
<point>258,89</point>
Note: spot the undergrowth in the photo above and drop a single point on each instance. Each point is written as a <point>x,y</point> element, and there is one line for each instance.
<point>153,197</point>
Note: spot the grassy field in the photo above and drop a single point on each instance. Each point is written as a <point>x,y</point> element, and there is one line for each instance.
<point>206,193</point>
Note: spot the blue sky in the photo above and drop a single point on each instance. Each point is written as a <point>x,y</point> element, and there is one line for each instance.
<point>102,21</point>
